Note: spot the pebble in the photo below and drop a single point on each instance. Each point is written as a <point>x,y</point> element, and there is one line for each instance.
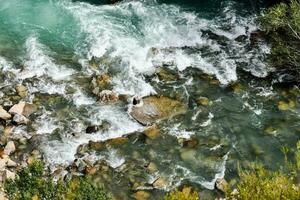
<point>9,148</point>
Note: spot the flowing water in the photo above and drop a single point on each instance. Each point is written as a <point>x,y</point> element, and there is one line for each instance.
<point>49,45</point>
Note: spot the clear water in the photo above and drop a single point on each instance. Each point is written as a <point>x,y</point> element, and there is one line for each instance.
<point>47,46</point>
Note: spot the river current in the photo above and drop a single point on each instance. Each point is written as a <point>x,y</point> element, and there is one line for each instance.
<point>50,46</point>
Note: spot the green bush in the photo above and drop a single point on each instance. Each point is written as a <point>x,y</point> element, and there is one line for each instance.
<point>261,184</point>
<point>185,194</point>
<point>33,183</point>
<point>282,24</point>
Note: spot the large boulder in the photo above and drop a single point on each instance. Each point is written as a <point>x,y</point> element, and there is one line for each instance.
<point>154,108</point>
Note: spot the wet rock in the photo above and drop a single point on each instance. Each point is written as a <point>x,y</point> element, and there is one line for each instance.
<point>203,101</point>
<point>23,108</point>
<point>152,167</point>
<point>90,170</point>
<point>101,81</point>
<point>152,132</point>
<point>190,143</point>
<point>283,105</point>
<point>236,87</point>
<point>21,90</point>
<point>91,129</point>
<point>108,96</point>
<point>188,155</point>
<point>221,184</point>
<point>160,183</point>
<point>141,195</point>
<point>154,108</point>
<point>4,114</point>
<point>117,141</point>
<point>9,148</point>
<point>165,75</point>
<point>20,119</point>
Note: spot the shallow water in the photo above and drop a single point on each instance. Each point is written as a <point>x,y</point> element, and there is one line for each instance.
<point>48,46</point>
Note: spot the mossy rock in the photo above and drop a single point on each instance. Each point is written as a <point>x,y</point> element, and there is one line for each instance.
<point>155,108</point>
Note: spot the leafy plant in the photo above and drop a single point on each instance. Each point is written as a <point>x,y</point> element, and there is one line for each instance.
<point>282,23</point>
<point>33,183</point>
<point>185,194</point>
<point>259,183</point>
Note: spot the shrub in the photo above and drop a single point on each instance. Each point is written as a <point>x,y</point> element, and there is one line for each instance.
<point>282,23</point>
<point>261,184</point>
<point>33,183</point>
<point>185,194</point>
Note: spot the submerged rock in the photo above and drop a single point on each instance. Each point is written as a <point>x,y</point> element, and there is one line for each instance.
<point>154,108</point>
<point>152,132</point>
<point>21,90</point>
<point>4,114</point>
<point>203,101</point>
<point>141,195</point>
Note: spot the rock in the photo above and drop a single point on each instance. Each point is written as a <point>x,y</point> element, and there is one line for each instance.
<point>22,108</point>
<point>2,164</point>
<point>9,148</point>
<point>9,175</point>
<point>4,114</point>
<point>152,167</point>
<point>188,155</point>
<point>101,80</point>
<point>90,170</point>
<point>11,163</point>
<point>107,96</point>
<point>141,195</point>
<point>283,105</point>
<point>2,195</point>
<point>221,184</point>
<point>152,132</point>
<point>20,119</point>
<point>17,108</point>
<point>159,183</point>
<point>154,108</point>
<point>203,101</point>
<point>166,75</point>
<point>117,141</point>
<point>91,129</point>
<point>21,90</point>
<point>236,87</point>
<point>191,143</point>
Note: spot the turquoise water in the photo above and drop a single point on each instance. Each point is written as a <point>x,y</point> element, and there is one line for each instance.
<point>49,46</point>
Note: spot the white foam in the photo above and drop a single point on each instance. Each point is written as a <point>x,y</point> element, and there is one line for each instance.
<point>38,63</point>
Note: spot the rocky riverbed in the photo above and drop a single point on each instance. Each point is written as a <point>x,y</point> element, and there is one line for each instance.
<point>141,96</point>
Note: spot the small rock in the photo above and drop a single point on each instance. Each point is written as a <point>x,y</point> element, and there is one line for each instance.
<point>90,170</point>
<point>152,131</point>
<point>191,143</point>
<point>221,184</point>
<point>141,195</point>
<point>102,80</point>
<point>203,101</point>
<point>21,90</point>
<point>159,183</point>
<point>4,114</point>
<point>91,129</point>
<point>17,108</point>
<point>9,175</point>
<point>282,105</point>
<point>107,96</point>
<point>152,167</point>
<point>23,108</point>
<point>9,148</point>
<point>236,87</point>
<point>20,119</point>
<point>11,163</point>
<point>188,155</point>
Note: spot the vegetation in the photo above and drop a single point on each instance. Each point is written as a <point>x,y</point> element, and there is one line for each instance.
<point>32,183</point>
<point>282,24</point>
<point>185,194</point>
<point>261,184</point>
